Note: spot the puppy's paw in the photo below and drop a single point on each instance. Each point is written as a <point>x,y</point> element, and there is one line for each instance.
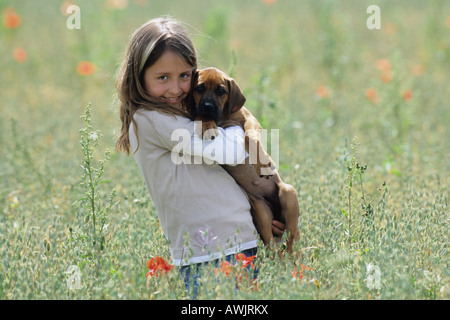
<point>209,130</point>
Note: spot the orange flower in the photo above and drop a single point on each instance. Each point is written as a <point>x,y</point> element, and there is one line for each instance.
<point>242,278</point>
<point>117,4</point>
<point>386,76</point>
<point>246,261</point>
<point>225,267</point>
<point>20,55</point>
<point>297,275</point>
<point>383,65</point>
<point>407,95</point>
<point>85,68</point>
<point>11,19</point>
<point>64,6</point>
<point>323,92</point>
<point>372,95</point>
<point>157,266</point>
<point>269,1</point>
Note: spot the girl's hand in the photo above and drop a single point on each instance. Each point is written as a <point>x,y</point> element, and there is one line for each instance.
<point>278,229</point>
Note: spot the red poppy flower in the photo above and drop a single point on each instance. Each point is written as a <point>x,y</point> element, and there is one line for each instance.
<point>246,261</point>
<point>20,55</point>
<point>299,275</point>
<point>407,95</point>
<point>383,65</point>
<point>85,68</point>
<point>323,92</point>
<point>225,267</point>
<point>11,19</point>
<point>157,266</point>
<point>372,95</point>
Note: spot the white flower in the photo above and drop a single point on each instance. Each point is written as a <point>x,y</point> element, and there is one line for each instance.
<point>93,136</point>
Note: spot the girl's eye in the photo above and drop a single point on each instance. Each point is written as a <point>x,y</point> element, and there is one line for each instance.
<point>184,76</point>
<point>162,78</point>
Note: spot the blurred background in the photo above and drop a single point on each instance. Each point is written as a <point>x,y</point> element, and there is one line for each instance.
<point>310,68</point>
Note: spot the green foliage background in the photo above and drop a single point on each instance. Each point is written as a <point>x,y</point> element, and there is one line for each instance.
<point>279,54</point>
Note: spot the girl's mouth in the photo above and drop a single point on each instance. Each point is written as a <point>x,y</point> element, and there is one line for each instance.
<point>172,100</point>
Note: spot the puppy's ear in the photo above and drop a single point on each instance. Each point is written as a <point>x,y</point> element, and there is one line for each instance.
<point>191,107</point>
<point>236,98</point>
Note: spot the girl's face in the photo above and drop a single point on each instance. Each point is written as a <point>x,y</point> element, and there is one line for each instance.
<point>169,78</point>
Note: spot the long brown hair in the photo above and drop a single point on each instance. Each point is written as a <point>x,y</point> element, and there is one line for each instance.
<point>146,46</point>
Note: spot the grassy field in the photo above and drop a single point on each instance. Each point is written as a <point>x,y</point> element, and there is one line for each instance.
<point>342,96</point>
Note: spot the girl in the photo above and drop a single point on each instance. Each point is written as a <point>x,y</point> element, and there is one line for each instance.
<point>202,211</point>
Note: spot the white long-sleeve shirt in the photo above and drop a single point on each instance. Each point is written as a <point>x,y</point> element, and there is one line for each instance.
<point>196,200</point>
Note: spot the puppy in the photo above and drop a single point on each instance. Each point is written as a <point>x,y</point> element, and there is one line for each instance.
<point>217,100</point>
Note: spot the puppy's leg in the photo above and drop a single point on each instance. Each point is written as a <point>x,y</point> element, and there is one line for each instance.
<point>262,216</point>
<point>257,155</point>
<point>208,130</point>
<point>290,212</point>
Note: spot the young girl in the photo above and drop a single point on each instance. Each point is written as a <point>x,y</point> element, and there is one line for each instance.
<point>203,212</point>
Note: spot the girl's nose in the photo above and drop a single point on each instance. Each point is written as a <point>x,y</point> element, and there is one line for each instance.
<point>175,88</point>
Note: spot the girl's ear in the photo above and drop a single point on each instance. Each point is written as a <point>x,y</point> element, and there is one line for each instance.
<point>236,98</point>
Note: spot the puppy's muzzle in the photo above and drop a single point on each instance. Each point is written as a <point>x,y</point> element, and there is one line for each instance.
<point>209,110</point>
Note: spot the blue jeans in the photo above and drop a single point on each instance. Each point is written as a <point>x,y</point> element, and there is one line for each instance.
<point>192,273</point>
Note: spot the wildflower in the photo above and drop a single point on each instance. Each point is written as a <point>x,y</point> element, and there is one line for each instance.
<point>94,136</point>
<point>383,65</point>
<point>268,2</point>
<point>64,6</point>
<point>386,76</point>
<point>157,266</point>
<point>20,55</point>
<point>323,92</point>
<point>407,95</point>
<point>117,4</point>
<point>225,268</point>
<point>246,261</point>
<point>11,19</point>
<point>85,68</point>
<point>297,275</point>
<point>372,95</point>
<point>237,271</point>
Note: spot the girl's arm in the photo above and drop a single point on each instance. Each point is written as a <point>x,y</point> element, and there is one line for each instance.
<point>178,134</point>
<point>227,148</point>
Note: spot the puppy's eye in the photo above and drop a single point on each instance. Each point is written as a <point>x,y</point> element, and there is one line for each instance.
<point>221,90</point>
<point>200,88</point>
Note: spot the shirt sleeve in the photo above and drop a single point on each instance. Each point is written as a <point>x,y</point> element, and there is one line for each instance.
<point>178,135</point>
<point>227,148</point>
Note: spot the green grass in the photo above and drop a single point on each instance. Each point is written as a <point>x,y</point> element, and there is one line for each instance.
<point>279,54</point>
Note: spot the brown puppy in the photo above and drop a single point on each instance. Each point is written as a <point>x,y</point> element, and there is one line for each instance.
<point>217,100</point>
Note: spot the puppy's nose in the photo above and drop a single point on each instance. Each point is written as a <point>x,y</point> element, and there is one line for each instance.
<point>209,105</point>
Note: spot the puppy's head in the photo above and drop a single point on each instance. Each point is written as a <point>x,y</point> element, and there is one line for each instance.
<point>216,95</point>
